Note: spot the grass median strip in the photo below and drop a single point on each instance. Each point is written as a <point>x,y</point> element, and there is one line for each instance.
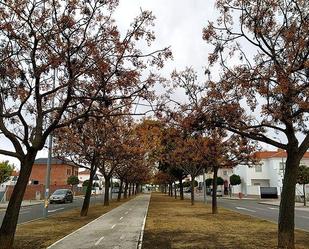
<point>176,224</point>
<point>44,232</point>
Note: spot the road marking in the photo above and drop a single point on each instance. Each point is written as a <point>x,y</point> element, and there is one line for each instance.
<point>24,212</point>
<point>126,212</point>
<point>260,208</point>
<point>54,210</point>
<point>99,240</point>
<point>120,218</point>
<point>113,226</point>
<point>273,208</point>
<point>246,209</point>
<point>305,217</point>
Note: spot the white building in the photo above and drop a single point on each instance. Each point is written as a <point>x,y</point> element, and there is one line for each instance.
<point>98,180</point>
<point>268,174</point>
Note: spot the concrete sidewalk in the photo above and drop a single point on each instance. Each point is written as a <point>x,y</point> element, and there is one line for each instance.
<point>120,228</point>
<point>3,205</point>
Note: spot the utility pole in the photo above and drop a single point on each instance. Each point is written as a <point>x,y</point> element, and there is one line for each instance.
<point>49,161</point>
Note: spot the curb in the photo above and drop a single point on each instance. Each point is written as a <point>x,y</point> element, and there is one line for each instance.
<point>269,204</point>
<point>140,240</point>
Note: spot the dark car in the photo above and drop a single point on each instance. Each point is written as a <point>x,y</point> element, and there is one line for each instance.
<point>61,196</point>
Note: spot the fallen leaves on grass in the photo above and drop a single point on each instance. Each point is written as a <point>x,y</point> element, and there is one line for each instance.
<point>173,224</point>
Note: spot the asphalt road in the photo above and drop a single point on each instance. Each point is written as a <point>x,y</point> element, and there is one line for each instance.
<point>118,229</point>
<point>34,212</point>
<point>263,211</point>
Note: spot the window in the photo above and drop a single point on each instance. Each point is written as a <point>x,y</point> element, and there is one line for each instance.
<point>258,168</point>
<point>68,171</point>
<point>224,172</point>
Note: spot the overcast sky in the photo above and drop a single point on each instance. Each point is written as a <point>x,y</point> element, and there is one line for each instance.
<point>178,24</point>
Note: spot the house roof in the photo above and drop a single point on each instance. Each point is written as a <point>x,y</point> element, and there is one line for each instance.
<point>275,154</point>
<point>87,172</point>
<point>53,161</point>
<point>84,172</point>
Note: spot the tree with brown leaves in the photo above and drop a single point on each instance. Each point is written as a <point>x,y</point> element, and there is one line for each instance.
<point>57,58</point>
<point>266,91</point>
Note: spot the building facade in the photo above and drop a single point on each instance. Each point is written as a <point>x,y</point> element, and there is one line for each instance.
<point>60,172</point>
<point>269,173</point>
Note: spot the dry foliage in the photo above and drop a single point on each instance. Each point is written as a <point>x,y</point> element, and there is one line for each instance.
<point>194,227</point>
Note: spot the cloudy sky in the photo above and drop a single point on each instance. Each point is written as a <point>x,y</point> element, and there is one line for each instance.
<point>178,24</point>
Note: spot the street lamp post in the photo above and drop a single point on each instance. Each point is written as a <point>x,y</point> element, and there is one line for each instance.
<point>49,161</point>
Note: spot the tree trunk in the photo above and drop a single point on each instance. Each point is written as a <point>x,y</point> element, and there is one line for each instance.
<point>85,207</point>
<point>304,192</point>
<point>287,203</point>
<point>192,190</point>
<point>120,190</point>
<point>9,223</point>
<point>125,194</point>
<point>130,185</point>
<point>175,190</point>
<point>133,189</point>
<point>168,189</point>
<point>137,189</point>
<point>181,188</point>
<point>214,191</point>
<point>106,191</point>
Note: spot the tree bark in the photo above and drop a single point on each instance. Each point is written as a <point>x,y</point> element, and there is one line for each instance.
<point>181,188</point>
<point>133,189</point>
<point>214,191</point>
<point>120,190</point>
<point>137,189</point>
<point>9,223</point>
<point>106,191</point>
<point>192,190</point>
<point>171,189</point>
<point>130,185</point>
<point>85,207</point>
<point>287,203</point>
<point>304,192</point>
<point>175,190</point>
<point>125,194</point>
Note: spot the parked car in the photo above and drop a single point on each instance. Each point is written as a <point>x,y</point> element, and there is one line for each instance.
<point>61,196</point>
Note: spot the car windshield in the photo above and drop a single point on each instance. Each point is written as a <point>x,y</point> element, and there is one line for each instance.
<point>60,192</point>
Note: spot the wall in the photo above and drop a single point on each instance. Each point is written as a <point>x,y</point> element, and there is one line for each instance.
<point>58,174</point>
<point>33,191</point>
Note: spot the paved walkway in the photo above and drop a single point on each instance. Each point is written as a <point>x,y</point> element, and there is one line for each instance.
<point>120,228</point>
